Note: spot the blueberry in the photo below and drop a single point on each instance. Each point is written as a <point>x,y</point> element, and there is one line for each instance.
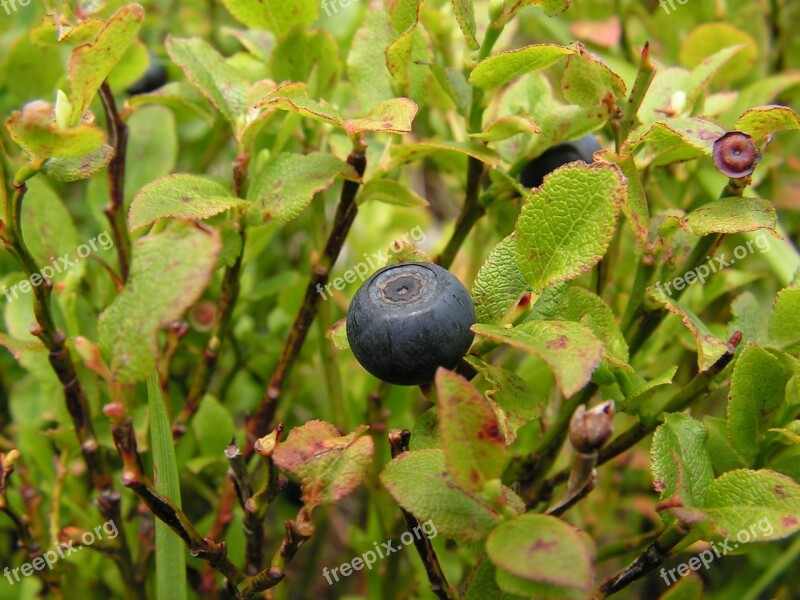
<point>409,319</point>
<point>153,78</point>
<point>582,149</point>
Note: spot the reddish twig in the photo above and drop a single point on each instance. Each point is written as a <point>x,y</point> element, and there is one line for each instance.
<point>259,423</point>
<point>115,210</point>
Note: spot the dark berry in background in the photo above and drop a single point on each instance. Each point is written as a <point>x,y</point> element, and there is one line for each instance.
<point>582,149</point>
<point>154,78</point>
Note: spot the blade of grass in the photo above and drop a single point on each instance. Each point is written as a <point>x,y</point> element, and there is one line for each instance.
<point>170,553</point>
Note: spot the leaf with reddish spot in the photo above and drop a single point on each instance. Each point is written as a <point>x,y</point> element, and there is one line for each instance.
<point>571,350</point>
<point>762,503</point>
<point>330,466</point>
<point>541,549</point>
<point>421,483</point>
<point>474,449</point>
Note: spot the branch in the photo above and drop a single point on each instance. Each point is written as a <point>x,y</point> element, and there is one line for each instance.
<point>694,390</point>
<point>115,211</point>
<point>133,477</point>
<point>227,302</point>
<point>297,532</point>
<point>471,212</point>
<point>655,554</point>
<point>531,469</point>
<point>60,359</point>
<point>255,505</point>
<point>398,440</point>
<point>258,424</point>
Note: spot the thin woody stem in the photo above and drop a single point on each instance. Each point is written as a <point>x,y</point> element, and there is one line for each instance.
<point>133,477</point>
<point>398,440</point>
<point>60,360</point>
<point>346,212</point>
<point>115,211</point>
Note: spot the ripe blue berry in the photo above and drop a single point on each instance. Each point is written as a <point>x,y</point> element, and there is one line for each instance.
<point>409,319</point>
<point>582,149</point>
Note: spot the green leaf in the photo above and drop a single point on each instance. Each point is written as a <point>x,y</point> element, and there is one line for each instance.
<point>181,196</point>
<point>550,7</point>
<point>407,153</point>
<point>701,75</point>
<point>706,40</point>
<point>482,584</point>
<point>587,80</point>
<point>542,549</point>
<point>681,462</point>
<point>213,427</point>
<point>499,69</point>
<point>569,349</point>
<point>709,347</point>
<point>513,400</point>
<point>390,192</point>
<point>688,587</point>
<point>474,448</point>
<point>90,64</point>
<point>370,77</point>
<point>408,54</point>
<point>419,481</point>
<point>637,396</point>
<point>330,466</point>
<point>635,205</point>
<point>784,324</point>
<point>392,116</point>
<point>170,553</point>
<point>287,184</point>
<point>566,225</point>
<point>34,129</point>
<point>499,283</point>
<point>764,120</point>
<point>169,272</point>
<point>465,15</point>
<point>152,147</point>
<point>305,53</point>
<point>674,140</point>
<point>179,95</point>
<point>83,167</point>
<point>748,319</point>
<point>49,228</point>
<point>732,215</point>
<point>756,396</point>
<point>723,456</point>
<point>505,127</point>
<point>278,16</point>
<point>294,97</point>
<point>455,86</point>
<point>790,435</point>
<point>739,500</point>
<point>207,70</point>
<point>582,306</point>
